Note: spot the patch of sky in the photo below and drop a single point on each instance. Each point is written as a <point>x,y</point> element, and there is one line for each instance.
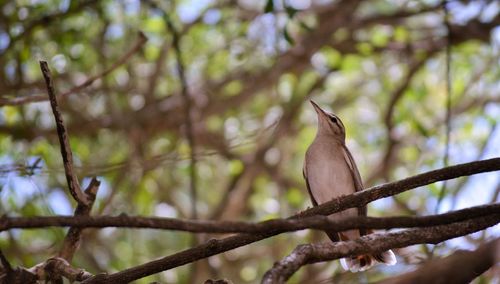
<point>4,40</point>
<point>490,11</point>
<point>114,31</point>
<point>19,188</point>
<point>59,203</point>
<point>10,69</point>
<point>212,17</point>
<point>299,4</point>
<point>465,11</point>
<point>132,7</point>
<point>191,9</point>
<point>382,204</point>
<point>165,210</point>
<point>263,30</point>
<point>64,5</point>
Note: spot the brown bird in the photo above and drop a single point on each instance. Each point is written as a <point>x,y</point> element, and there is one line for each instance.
<point>330,172</point>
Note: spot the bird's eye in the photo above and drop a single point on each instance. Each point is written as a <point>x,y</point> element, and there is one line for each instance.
<point>333,119</point>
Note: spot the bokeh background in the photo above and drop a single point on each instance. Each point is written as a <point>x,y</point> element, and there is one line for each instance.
<point>251,67</point>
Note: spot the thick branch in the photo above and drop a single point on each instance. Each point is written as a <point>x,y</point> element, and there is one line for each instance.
<point>375,243</point>
<point>72,239</point>
<point>55,267</point>
<point>213,247</point>
<point>318,222</point>
<point>460,267</point>
<point>73,185</point>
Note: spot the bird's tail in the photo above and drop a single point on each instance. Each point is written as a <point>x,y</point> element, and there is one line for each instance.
<point>364,262</point>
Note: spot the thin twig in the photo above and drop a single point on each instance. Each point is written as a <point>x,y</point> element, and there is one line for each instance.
<point>67,156</point>
<point>187,106</point>
<point>397,94</point>
<point>84,200</point>
<point>193,191</point>
<point>483,148</point>
<point>448,102</point>
<point>141,40</point>
<point>187,115</point>
<point>122,60</point>
<point>214,246</point>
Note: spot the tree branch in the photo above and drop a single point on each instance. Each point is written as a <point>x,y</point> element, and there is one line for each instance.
<point>5,263</point>
<point>317,222</point>
<point>67,156</point>
<point>460,267</point>
<point>72,239</point>
<point>214,246</point>
<point>56,267</point>
<point>374,243</point>
<point>84,200</point>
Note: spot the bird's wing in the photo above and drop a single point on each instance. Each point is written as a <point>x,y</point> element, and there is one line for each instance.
<point>304,173</point>
<point>334,236</point>
<point>358,184</point>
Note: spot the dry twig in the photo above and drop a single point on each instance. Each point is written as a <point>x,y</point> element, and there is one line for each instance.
<point>67,156</point>
<point>84,200</point>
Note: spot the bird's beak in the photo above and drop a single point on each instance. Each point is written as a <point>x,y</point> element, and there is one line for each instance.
<point>318,110</point>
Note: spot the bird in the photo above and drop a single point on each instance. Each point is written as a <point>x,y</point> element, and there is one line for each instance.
<point>330,171</point>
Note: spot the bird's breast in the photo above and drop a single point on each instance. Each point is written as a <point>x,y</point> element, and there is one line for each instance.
<point>328,173</point>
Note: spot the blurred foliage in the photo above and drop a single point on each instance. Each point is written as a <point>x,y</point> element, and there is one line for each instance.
<point>245,68</point>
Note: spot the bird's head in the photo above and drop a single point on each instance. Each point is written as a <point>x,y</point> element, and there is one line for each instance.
<point>329,124</point>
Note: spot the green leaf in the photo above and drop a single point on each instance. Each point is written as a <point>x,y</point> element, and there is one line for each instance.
<point>235,167</point>
<point>287,36</point>
<point>290,11</point>
<point>364,48</point>
<point>233,88</point>
<point>305,26</point>
<point>295,197</point>
<point>333,57</point>
<point>421,128</point>
<point>351,63</point>
<point>401,34</point>
<point>154,25</point>
<point>269,6</point>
